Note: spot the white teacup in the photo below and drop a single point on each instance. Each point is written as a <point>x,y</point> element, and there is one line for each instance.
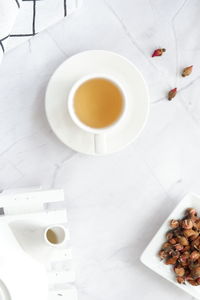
<point>55,235</point>
<point>99,133</point>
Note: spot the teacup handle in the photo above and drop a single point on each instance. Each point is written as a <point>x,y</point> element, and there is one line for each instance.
<point>100,144</point>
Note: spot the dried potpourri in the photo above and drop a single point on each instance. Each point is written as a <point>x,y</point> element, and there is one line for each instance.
<point>182,248</point>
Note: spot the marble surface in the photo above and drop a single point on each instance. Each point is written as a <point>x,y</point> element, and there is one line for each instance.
<point>115,203</point>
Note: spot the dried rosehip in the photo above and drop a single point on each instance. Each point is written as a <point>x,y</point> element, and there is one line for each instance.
<point>180,280</point>
<point>173,241</point>
<point>169,235</point>
<point>195,272</point>
<point>158,52</point>
<point>174,223</point>
<point>194,255</point>
<point>183,241</point>
<point>189,232</point>
<point>187,224</point>
<point>191,212</point>
<point>171,261</point>
<point>179,247</point>
<point>163,254</point>
<point>180,271</point>
<point>172,94</point>
<point>187,71</point>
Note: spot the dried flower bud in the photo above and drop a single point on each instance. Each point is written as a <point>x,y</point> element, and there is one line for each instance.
<point>174,223</point>
<point>173,241</point>
<point>187,71</point>
<point>180,280</point>
<point>180,271</point>
<point>172,94</point>
<point>171,261</point>
<point>191,212</point>
<point>194,255</point>
<point>163,254</point>
<point>187,224</point>
<point>196,272</point>
<point>158,52</point>
<point>183,241</point>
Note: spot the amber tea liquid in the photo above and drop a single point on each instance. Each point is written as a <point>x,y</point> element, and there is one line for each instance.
<point>98,103</point>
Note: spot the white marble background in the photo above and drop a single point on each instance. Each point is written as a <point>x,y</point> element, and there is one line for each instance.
<point>115,203</point>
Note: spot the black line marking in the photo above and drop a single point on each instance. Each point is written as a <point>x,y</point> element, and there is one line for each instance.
<point>65,8</point>
<point>21,35</point>
<point>17,3</point>
<point>2,47</point>
<point>3,39</point>
<point>34,13</point>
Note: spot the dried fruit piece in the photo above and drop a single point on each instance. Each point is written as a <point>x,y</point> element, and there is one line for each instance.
<point>179,247</point>
<point>183,241</point>
<point>180,271</point>
<point>174,223</point>
<point>196,272</point>
<point>171,261</point>
<point>189,232</point>
<point>191,212</point>
<point>193,282</point>
<point>158,52</point>
<point>163,254</point>
<point>187,71</point>
<point>194,255</point>
<point>169,235</point>
<point>187,224</point>
<point>180,280</point>
<point>172,241</point>
<point>172,94</point>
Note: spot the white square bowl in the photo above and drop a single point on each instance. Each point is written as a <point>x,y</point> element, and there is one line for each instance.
<point>150,256</point>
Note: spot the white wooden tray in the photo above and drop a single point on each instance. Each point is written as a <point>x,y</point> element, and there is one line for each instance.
<point>29,212</point>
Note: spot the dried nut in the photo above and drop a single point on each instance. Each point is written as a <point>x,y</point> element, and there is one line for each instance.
<point>158,52</point>
<point>187,71</point>
<point>196,272</point>
<point>163,254</point>
<point>187,224</point>
<point>194,255</point>
<point>172,94</point>
<point>173,241</point>
<point>183,241</point>
<point>179,247</point>
<point>180,280</point>
<point>191,212</point>
<point>169,235</point>
<point>188,232</point>
<point>179,271</point>
<point>171,261</point>
<point>174,223</point>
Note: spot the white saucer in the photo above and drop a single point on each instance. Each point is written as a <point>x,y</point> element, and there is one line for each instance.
<point>85,63</point>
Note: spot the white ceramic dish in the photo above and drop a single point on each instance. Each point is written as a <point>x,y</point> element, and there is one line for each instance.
<point>85,64</point>
<point>150,255</point>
